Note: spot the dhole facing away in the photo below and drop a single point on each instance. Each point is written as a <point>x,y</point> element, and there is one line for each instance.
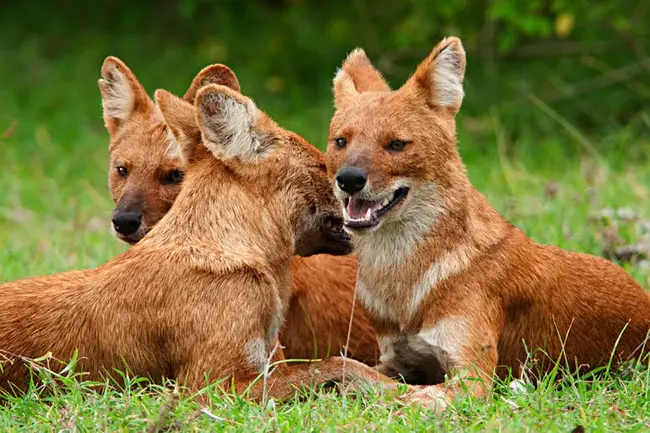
<point>145,178</point>
<point>451,287</point>
<point>202,296</point>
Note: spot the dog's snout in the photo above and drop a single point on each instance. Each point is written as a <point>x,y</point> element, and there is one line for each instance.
<point>351,179</point>
<point>127,223</point>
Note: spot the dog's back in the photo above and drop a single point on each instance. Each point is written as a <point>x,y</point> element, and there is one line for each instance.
<point>145,178</point>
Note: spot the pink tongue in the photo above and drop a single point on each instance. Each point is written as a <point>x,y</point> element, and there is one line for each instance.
<point>357,208</point>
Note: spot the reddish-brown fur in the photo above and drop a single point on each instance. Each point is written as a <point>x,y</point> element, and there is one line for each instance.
<point>452,287</point>
<point>318,317</point>
<point>202,296</point>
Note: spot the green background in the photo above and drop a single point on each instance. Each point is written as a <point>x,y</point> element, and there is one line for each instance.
<point>554,130</point>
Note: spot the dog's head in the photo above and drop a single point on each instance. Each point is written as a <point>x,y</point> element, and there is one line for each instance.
<point>144,177</point>
<point>274,166</point>
<point>391,152</point>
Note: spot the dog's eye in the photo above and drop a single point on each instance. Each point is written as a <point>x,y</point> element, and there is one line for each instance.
<point>122,171</point>
<point>396,146</point>
<point>174,177</point>
<point>341,143</point>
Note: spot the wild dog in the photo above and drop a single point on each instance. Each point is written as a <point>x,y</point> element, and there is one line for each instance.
<point>145,179</point>
<point>451,287</point>
<point>203,294</point>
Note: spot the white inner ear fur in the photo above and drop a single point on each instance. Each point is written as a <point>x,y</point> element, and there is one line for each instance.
<point>343,84</point>
<point>228,133</point>
<point>448,82</point>
<point>118,102</point>
<point>174,147</point>
<point>175,140</point>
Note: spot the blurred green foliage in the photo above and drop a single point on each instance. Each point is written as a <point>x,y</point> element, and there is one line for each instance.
<point>555,124</point>
<point>539,67</point>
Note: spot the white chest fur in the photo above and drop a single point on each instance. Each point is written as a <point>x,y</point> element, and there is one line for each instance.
<point>391,296</point>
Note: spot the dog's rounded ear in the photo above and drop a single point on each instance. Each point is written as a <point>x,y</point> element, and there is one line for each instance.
<point>180,118</point>
<point>122,94</point>
<point>439,78</point>
<point>213,74</point>
<point>231,125</point>
<point>357,75</point>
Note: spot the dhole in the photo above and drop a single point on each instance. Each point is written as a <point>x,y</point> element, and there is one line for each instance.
<point>144,180</point>
<point>452,288</point>
<point>203,294</point>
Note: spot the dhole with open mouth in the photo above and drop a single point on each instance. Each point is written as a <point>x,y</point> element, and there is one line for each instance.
<point>452,288</point>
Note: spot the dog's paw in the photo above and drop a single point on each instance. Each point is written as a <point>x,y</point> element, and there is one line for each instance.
<point>429,397</point>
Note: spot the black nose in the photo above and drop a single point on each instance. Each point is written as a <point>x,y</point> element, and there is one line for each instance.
<point>351,179</point>
<point>127,223</point>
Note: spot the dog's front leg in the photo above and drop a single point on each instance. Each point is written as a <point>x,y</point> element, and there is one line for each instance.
<point>345,374</point>
<point>470,363</point>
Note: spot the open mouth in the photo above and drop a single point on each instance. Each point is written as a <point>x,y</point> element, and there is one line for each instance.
<point>334,234</point>
<point>364,213</point>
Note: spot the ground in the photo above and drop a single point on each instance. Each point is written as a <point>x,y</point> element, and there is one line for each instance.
<point>54,213</point>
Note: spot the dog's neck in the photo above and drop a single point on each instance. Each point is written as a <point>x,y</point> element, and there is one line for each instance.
<point>217,216</point>
<point>439,235</point>
<point>440,215</point>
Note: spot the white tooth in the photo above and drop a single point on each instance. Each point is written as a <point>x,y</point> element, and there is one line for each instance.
<point>385,202</point>
<point>368,213</point>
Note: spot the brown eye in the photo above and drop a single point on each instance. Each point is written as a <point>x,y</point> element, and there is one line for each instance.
<point>396,146</point>
<point>174,177</point>
<point>341,143</point>
<point>122,171</point>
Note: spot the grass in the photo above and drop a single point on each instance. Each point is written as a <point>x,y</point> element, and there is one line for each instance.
<point>54,210</point>
<point>610,403</point>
